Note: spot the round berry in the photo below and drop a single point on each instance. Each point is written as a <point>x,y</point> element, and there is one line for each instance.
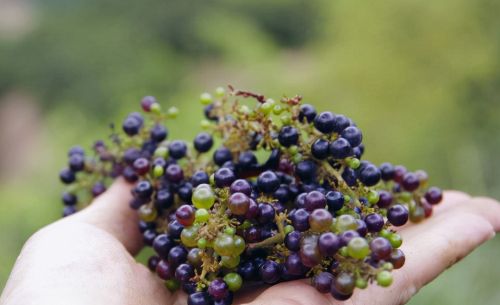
<point>397,215</point>
<point>177,149</point>
<point>67,176</point>
<point>434,195</point>
<point>268,182</point>
<point>307,113</point>
<point>158,133</point>
<point>320,149</point>
<point>222,155</point>
<point>288,136</point>
<point>203,142</point>
<point>353,135</point>
<point>325,122</point>
<point>370,175</point>
<point>131,125</point>
<point>340,149</point>
<point>224,177</point>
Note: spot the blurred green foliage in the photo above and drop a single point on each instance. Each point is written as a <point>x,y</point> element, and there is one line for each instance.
<point>421,79</point>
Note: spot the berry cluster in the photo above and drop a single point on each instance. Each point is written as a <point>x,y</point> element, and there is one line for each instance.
<point>217,217</point>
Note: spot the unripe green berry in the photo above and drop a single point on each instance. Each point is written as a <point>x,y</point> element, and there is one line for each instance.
<point>161,152</point>
<point>395,240</point>
<point>201,216</point>
<point>353,163</point>
<point>278,109</point>
<point>172,285</point>
<point>286,119</point>
<point>361,283</point>
<point>233,281</point>
<point>205,98</point>
<point>358,248</point>
<point>230,231</point>
<point>202,243</point>
<point>173,112</point>
<point>219,92</point>
<point>373,197</point>
<point>205,124</point>
<point>289,228</point>
<point>158,171</point>
<point>384,278</point>
<point>155,108</point>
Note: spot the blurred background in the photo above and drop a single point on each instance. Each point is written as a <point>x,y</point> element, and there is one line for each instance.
<point>421,79</point>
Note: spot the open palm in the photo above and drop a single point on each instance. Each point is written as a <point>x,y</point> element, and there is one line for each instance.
<point>87,258</point>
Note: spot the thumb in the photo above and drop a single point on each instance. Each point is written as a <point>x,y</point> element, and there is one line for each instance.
<point>111,212</point>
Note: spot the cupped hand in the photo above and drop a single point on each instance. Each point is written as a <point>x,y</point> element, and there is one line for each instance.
<point>88,258</point>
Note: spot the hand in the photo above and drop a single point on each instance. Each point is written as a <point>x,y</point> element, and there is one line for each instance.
<point>87,258</point>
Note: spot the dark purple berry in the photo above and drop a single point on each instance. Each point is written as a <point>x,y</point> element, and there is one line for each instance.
<point>67,176</point>
<point>320,149</point>
<point>203,142</point>
<point>268,182</point>
<point>340,149</point>
<point>288,136</point>
<point>374,222</point>
<point>177,149</point>
<point>353,135</point>
<point>397,215</point>
<point>307,113</point>
<point>224,177</point>
<point>434,195</point>
<point>325,122</point>
<point>158,133</point>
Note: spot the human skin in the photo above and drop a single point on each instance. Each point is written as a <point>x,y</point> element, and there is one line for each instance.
<point>88,258</point>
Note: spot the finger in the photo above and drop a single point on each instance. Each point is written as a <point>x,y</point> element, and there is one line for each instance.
<point>430,248</point>
<point>436,245</point>
<point>111,212</point>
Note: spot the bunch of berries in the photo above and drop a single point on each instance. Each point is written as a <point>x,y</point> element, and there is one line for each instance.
<point>270,191</point>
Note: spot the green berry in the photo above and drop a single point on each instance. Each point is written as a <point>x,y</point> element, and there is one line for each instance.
<point>361,283</point>
<point>205,124</point>
<point>189,235</point>
<point>147,214</point>
<point>155,108</point>
<point>289,228</point>
<point>347,198</point>
<point>229,231</point>
<point>233,281</point>
<point>373,197</point>
<point>230,261</point>
<point>353,163</point>
<point>173,112</point>
<point>266,108</point>
<point>158,171</point>
<point>201,216</point>
<point>385,233</point>
<point>346,222</point>
<point>384,278</point>
<point>206,98</point>
<point>343,251</point>
<point>203,198</point>
<point>395,240</point>
<point>286,119</point>
<point>239,245</point>
<point>293,150</point>
<point>358,248</point>
<point>172,285</point>
<point>387,266</point>
<point>220,91</point>
<point>278,109</point>
<point>161,152</point>
<point>201,243</point>
<point>224,245</point>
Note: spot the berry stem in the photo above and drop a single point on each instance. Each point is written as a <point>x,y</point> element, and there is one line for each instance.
<point>278,238</point>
